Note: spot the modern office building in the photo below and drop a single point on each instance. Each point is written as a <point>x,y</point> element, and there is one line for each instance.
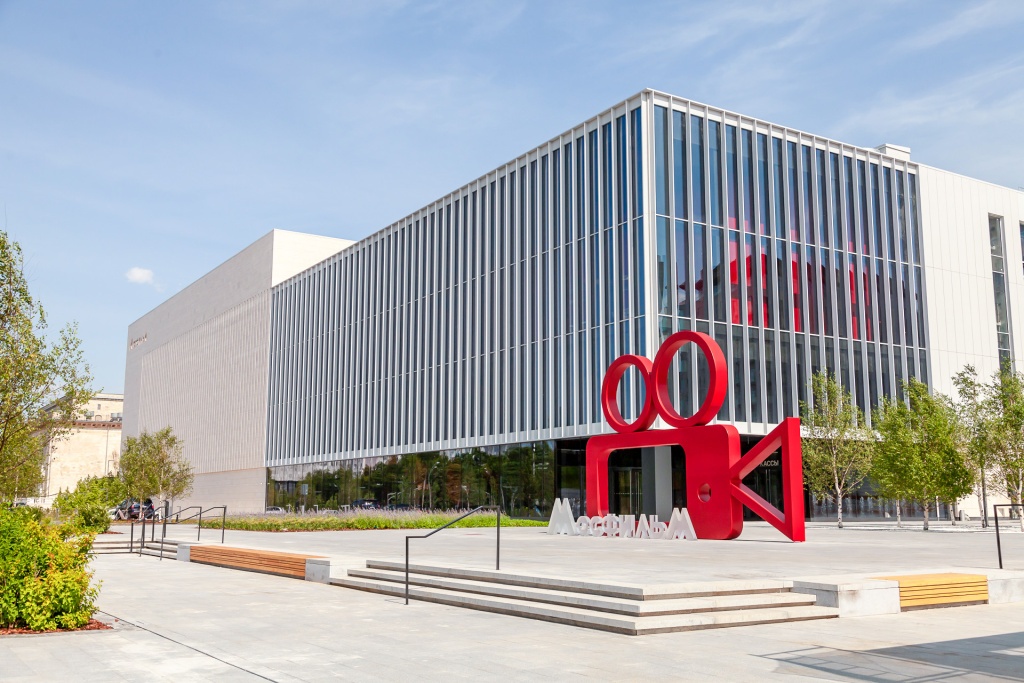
<point>455,357</point>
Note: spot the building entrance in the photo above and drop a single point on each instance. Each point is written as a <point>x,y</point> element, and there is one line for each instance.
<point>627,492</point>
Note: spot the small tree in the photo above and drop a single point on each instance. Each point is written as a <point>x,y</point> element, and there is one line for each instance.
<point>974,417</point>
<point>1004,400</point>
<point>34,374</point>
<point>838,450</point>
<point>152,465</point>
<point>918,453</point>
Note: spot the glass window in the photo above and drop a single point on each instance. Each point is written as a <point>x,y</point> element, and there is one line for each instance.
<point>801,368</point>
<point>715,170</point>
<point>856,326</point>
<point>779,188</point>
<point>734,277</point>
<point>767,284</point>
<point>794,190</point>
<point>700,285</point>
<point>887,190</point>
<point>592,179</point>
<point>798,299</point>
<point>866,296</point>
<point>739,395</point>
<point>568,192</point>
<point>750,279</point>
<point>748,180</point>
<point>682,289</point>
<point>606,174</point>
<point>697,161</point>
<point>625,271</point>
<point>732,182</point>
<point>556,200</point>
<point>901,215</point>
<point>819,156</point>
<point>995,230</point>
<point>770,387</point>
<point>581,186</point>
<point>636,168</point>
<point>894,302</point>
<point>876,213</point>
<point>620,169</point>
<point>826,292</point>
<point>719,275</point>
<point>865,224</point>
<point>908,318</point>
<point>543,208</point>
<point>881,309</point>
<point>916,233</point>
<point>782,279</point>
<point>764,207</point>
<point>851,222</point>
<point>661,160</point>
<point>754,356</point>
<point>809,234</point>
<point>664,267</point>
<point>836,210</point>
<point>785,367</point>
<point>679,164</point>
<point>839,266</point>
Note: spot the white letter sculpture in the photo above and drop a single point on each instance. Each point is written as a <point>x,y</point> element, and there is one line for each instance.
<point>561,521</point>
<point>680,526</point>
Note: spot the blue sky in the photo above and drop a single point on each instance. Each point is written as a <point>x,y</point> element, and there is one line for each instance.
<point>141,144</point>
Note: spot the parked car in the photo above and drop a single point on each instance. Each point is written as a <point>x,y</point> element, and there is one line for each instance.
<point>365,504</point>
<point>133,509</point>
<point>275,510</point>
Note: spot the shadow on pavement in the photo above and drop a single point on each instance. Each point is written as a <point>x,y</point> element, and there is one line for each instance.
<point>998,657</point>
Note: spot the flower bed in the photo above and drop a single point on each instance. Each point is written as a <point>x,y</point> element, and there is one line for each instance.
<point>364,520</point>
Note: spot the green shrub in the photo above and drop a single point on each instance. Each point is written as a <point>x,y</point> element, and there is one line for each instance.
<point>44,582</point>
<point>88,505</point>
<point>364,520</point>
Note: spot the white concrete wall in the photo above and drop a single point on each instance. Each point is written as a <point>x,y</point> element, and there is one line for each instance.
<point>960,305</point>
<point>199,363</point>
<point>961,314</point>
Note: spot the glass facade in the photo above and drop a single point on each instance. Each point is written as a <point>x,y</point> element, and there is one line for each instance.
<point>473,335</point>
<point>810,261</point>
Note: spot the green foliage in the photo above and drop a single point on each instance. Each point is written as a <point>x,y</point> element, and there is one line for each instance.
<point>44,582</point>
<point>919,455</point>
<point>365,520</point>
<point>89,504</point>
<point>34,374</point>
<point>152,466</point>
<point>838,450</point>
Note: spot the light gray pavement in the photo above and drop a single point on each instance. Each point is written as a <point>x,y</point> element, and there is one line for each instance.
<point>761,552</point>
<point>196,622</point>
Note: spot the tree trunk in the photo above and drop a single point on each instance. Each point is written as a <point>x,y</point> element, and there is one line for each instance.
<point>899,516</point>
<point>839,507</point>
<point>925,503</point>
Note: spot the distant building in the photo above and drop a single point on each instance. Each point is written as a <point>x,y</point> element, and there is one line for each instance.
<point>90,449</point>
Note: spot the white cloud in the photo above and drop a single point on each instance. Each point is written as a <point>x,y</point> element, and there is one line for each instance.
<point>140,276</point>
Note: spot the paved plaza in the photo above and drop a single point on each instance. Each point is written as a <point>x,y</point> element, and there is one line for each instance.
<point>179,621</point>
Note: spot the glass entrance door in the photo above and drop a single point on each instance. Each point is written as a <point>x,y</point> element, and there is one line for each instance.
<point>627,491</point>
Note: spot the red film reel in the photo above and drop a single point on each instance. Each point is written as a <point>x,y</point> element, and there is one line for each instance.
<point>655,375</point>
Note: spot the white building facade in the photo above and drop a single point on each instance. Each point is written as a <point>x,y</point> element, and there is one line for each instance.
<point>458,353</point>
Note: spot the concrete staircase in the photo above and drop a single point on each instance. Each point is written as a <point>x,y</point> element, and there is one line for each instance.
<point>621,608</point>
<point>102,546</point>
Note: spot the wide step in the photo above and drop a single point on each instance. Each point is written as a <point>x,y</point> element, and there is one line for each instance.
<point>592,618</point>
<point>629,607</point>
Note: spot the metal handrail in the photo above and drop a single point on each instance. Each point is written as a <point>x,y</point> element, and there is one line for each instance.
<point>199,524</point>
<point>497,526</point>
<point>995,513</point>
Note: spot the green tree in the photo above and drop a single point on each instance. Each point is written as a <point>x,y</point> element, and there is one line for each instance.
<point>34,374</point>
<point>1004,401</point>
<point>838,450</point>
<point>89,504</point>
<point>975,423</point>
<point>152,465</point>
<point>919,452</point>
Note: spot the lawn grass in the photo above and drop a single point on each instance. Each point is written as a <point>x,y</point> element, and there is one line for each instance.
<point>363,520</point>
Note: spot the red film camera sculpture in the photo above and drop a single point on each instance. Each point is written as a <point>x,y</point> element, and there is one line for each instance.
<point>715,468</point>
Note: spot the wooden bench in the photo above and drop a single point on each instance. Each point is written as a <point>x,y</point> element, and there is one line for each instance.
<point>940,590</point>
<point>248,559</point>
